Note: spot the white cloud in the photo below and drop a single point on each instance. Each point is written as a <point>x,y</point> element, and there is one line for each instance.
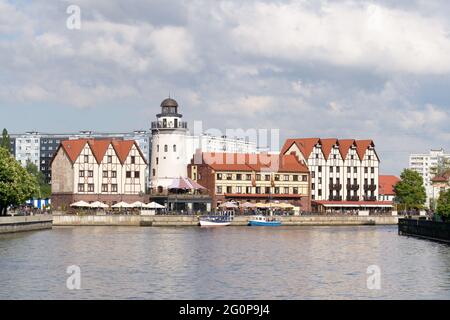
<point>347,33</point>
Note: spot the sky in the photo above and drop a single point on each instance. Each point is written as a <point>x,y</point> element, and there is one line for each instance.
<point>348,69</point>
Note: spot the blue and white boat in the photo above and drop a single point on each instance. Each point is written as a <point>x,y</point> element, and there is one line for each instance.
<point>264,221</point>
<point>215,221</point>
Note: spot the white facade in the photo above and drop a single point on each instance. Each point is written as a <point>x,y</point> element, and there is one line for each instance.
<point>422,163</point>
<point>339,173</point>
<point>27,147</point>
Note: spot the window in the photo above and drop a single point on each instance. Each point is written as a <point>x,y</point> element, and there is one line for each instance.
<point>313,186</point>
<point>286,190</point>
<point>276,190</point>
<point>90,173</point>
<point>267,177</point>
<point>366,170</point>
<point>219,176</point>
<point>369,157</point>
<point>86,159</point>
<point>248,190</point>
<point>128,174</point>
<point>372,170</point>
<point>277,177</point>
<point>229,176</point>
<point>109,159</point>
<point>352,157</point>
<point>174,148</point>
<point>113,174</point>
<point>80,187</point>
<point>165,148</point>
<point>248,176</point>
<point>295,190</point>
<point>304,178</point>
<point>355,170</point>
<point>154,172</point>
<point>334,156</point>
<point>81,173</point>
<point>239,177</point>
<point>229,189</point>
<point>286,177</point>
<point>267,190</point>
<point>348,170</point>
<point>219,189</point>
<point>320,168</point>
<point>258,177</point>
<point>238,189</point>
<point>157,148</point>
<point>295,177</point>
<point>90,187</point>
<point>114,188</point>
<point>331,169</point>
<point>313,174</point>
<point>338,169</point>
<point>133,159</point>
<point>258,190</point>
<point>104,188</point>
<point>319,192</point>
<point>157,160</point>
<point>137,174</point>
<point>105,174</point>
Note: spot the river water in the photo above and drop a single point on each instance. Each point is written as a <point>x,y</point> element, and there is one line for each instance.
<point>224,263</point>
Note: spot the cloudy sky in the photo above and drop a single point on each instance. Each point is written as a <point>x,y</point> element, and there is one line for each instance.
<point>347,69</point>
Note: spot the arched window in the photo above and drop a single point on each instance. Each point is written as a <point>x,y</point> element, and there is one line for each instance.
<point>165,148</point>
<point>174,148</point>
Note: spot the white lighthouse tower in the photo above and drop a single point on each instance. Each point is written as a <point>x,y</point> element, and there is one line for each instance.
<point>168,158</point>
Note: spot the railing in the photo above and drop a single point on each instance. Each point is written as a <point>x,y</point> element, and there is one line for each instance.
<point>170,125</point>
<point>336,186</point>
<point>370,187</point>
<point>370,198</point>
<point>352,186</point>
<point>352,198</point>
<point>425,228</point>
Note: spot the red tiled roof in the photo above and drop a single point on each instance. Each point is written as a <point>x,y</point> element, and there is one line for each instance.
<point>344,146</point>
<point>387,184</point>
<point>253,162</point>
<point>99,147</point>
<point>443,177</point>
<point>306,145</point>
<point>327,146</point>
<point>362,146</point>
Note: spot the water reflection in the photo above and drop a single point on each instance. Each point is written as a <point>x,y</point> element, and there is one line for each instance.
<point>227,263</point>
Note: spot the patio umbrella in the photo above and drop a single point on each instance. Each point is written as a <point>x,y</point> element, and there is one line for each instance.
<point>154,205</point>
<point>286,205</point>
<point>247,205</point>
<point>228,205</point>
<point>262,205</point>
<point>137,204</point>
<point>81,204</point>
<point>122,205</point>
<point>98,204</point>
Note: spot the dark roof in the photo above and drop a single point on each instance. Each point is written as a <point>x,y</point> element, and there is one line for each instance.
<point>169,102</point>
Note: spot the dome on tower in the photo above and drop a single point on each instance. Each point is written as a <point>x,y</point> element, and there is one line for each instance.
<point>169,102</point>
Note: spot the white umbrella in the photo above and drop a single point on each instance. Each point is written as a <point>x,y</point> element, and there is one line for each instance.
<point>81,204</point>
<point>247,205</point>
<point>153,205</point>
<point>98,204</point>
<point>122,205</point>
<point>228,205</point>
<point>137,204</point>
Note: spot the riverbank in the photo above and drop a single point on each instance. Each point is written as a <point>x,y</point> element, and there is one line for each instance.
<point>431,230</point>
<point>180,220</point>
<point>25,223</point>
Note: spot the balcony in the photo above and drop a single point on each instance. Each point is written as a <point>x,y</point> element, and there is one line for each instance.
<point>370,198</point>
<point>170,125</point>
<point>337,187</point>
<point>352,198</point>
<point>335,198</point>
<point>354,187</point>
<point>370,187</point>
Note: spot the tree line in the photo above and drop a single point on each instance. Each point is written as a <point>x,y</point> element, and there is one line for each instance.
<point>18,184</point>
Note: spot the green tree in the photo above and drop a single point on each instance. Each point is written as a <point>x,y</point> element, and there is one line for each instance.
<point>5,141</point>
<point>44,190</point>
<point>442,166</point>
<point>443,204</point>
<point>16,184</point>
<point>409,191</point>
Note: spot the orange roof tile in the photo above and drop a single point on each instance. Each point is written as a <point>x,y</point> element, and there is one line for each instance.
<point>387,184</point>
<point>122,148</point>
<point>327,145</point>
<point>99,148</point>
<point>73,148</point>
<point>362,146</point>
<point>305,145</point>
<point>344,146</point>
<point>253,162</point>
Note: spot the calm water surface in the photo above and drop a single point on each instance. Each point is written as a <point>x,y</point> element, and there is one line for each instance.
<point>224,263</point>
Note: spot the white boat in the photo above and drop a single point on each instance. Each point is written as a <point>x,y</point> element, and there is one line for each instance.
<point>215,221</point>
<point>264,221</point>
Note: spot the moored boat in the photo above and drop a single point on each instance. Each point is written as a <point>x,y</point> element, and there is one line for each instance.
<point>215,221</point>
<point>261,220</point>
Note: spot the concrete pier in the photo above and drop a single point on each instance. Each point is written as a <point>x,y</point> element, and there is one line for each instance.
<point>25,223</point>
<point>179,220</point>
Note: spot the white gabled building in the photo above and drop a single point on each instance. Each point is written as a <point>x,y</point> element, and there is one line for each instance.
<point>344,173</point>
<point>103,170</point>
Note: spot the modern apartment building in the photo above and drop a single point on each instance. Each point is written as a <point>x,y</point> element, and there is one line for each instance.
<point>423,164</point>
<point>253,178</point>
<point>104,170</point>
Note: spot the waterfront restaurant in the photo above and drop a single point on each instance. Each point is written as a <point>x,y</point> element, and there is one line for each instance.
<point>253,178</point>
